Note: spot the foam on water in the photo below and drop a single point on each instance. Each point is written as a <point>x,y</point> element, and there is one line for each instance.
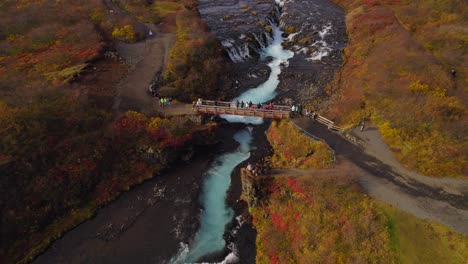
<point>267,90</point>
<point>321,46</point>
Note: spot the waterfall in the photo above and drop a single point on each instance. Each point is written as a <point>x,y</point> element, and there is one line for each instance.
<point>216,214</point>
<point>237,53</point>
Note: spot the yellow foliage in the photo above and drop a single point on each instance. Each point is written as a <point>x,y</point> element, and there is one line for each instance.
<point>389,134</point>
<point>164,8</point>
<point>157,122</point>
<point>417,86</point>
<point>294,149</point>
<point>66,74</point>
<point>399,57</point>
<point>125,34</point>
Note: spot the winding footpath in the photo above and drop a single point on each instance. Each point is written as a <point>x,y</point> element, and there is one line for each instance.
<point>440,199</point>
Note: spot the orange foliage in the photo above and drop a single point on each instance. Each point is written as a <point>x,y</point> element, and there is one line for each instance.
<point>398,73</point>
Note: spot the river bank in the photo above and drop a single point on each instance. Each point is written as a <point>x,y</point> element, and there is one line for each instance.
<point>146,224</point>
<point>74,246</point>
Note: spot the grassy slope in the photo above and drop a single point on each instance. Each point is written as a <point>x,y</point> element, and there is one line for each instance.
<point>422,241</point>
<point>397,71</point>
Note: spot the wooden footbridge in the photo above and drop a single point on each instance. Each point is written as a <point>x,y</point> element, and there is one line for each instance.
<point>234,108</point>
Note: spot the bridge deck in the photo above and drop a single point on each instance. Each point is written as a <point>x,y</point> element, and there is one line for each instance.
<point>230,108</point>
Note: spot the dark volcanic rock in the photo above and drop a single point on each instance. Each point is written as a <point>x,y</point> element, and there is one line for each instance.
<point>242,28</point>
<point>316,34</point>
<point>239,24</point>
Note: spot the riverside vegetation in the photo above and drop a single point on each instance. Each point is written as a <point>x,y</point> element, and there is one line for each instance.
<point>325,217</point>
<point>194,65</point>
<point>397,71</point>
<point>63,151</point>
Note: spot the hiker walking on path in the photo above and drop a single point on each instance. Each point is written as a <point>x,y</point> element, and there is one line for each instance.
<point>362,125</point>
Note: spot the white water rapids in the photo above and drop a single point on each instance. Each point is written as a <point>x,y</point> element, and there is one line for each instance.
<point>216,214</point>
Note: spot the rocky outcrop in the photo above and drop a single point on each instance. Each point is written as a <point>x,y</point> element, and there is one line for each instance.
<point>249,194</point>
<point>316,33</point>
<point>242,27</point>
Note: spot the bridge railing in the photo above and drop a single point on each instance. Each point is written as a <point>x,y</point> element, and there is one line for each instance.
<point>236,108</point>
<point>233,108</point>
<point>239,106</point>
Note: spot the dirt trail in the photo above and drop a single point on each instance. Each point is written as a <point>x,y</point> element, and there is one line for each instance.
<point>379,173</point>
<point>145,60</point>
<point>374,145</point>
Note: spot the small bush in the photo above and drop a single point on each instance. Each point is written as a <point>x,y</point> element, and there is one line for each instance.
<point>125,34</point>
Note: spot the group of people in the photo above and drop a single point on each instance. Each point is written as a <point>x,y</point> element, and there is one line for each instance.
<point>163,101</point>
<point>296,109</point>
<point>252,106</point>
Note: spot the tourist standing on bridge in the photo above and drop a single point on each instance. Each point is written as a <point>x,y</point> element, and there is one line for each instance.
<point>272,106</point>
<point>250,104</point>
<point>242,104</point>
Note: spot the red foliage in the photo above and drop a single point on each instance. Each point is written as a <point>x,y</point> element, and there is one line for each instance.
<point>129,124</point>
<point>297,215</point>
<point>172,140</point>
<point>293,184</point>
<point>278,221</point>
<point>287,152</point>
<point>274,260</point>
<point>274,137</point>
<point>370,3</point>
<point>273,187</point>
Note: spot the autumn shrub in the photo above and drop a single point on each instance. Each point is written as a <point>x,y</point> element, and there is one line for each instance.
<point>319,220</point>
<point>194,63</point>
<point>397,72</point>
<point>125,34</point>
<point>63,157</point>
<point>294,149</point>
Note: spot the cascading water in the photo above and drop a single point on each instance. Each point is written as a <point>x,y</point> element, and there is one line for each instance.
<point>236,53</point>
<point>267,90</point>
<point>216,214</point>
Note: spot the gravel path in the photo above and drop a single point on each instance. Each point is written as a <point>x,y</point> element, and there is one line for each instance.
<point>145,60</point>
<point>440,199</point>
